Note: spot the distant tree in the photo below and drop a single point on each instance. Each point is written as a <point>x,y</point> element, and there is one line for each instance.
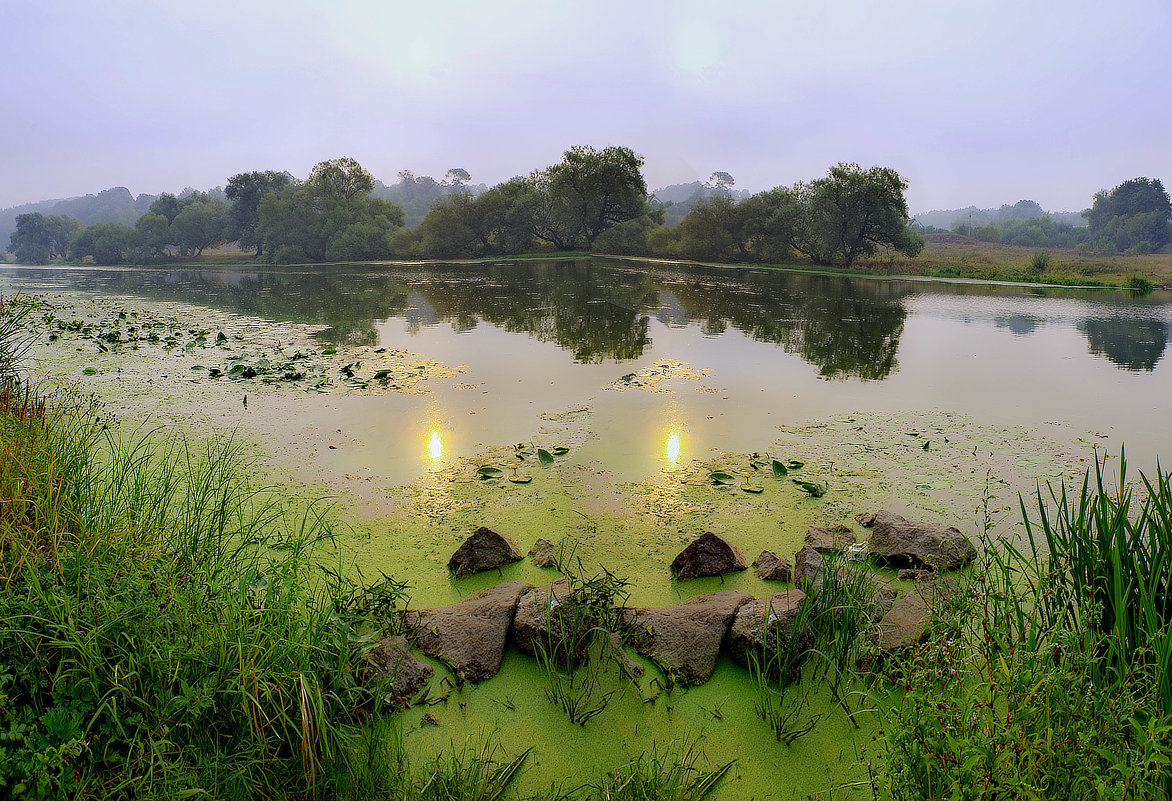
<point>586,193</point>
<point>38,239</point>
<point>153,235</point>
<point>329,217</point>
<point>1135,216</point>
<point>245,191</point>
<point>847,214</point>
<point>457,177</point>
<point>340,179</point>
<point>168,205</point>
<point>720,181</point>
<point>496,222</point>
<point>200,224</point>
<point>105,243</point>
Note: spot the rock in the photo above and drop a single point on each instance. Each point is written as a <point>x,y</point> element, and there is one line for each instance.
<point>763,632</point>
<point>684,639</point>
<point>833,539</point>
<point>633,669</point>
<point>906,623</point>
<point>469,635</point>
<point>772,567</point>
<point>484,550</point>
<point>549,618</point>
<point>393,660</point>
<point>904,543</point>
<point>708,555</point>
<point>807,572</point>
<point>915,574</point>
<point>543,553</point>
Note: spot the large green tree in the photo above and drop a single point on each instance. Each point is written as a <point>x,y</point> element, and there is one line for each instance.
<point>245,191</point>
<point>849,213</point>
<point>39,239</point>
<point>328,217</point>
<point>201,223</point>
<point>105,243</point>
<point>1135,216</point>
<point>586,193</point>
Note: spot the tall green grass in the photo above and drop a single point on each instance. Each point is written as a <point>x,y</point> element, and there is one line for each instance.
<point>164,629</point>
<point>1051,681</point>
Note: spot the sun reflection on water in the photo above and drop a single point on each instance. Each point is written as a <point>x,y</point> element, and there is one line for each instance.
<point>671,449</point>
<point>435,447</point>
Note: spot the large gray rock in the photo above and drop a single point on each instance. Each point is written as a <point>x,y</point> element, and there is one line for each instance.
<point>708,555</point>
<point>393,660</point>
<point>831,539</point>
<point>550,619</point>
<point>771,567</point>
<point>765,632</point>
<point>543,553</point>
<point>485,549</point>
<point>684,639</point>
<point>907,622</point>
<point>808,566</point>
<point>904,543</point>
<point>469,635</point>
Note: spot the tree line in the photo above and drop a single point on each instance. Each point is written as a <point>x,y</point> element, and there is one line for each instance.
<point>1133,218</point>
<point>592,200</point>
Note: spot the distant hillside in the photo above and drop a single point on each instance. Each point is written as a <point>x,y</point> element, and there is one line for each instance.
<point>1022,210</point>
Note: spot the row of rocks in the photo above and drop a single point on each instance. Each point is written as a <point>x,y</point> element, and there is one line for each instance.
<point>686,639</point>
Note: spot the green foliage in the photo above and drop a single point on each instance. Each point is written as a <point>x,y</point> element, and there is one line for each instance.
<point>1134,217</point>
<point>1040,262</point>
<point>39,239</point>
<point>245,191</point>
<point>584,194</point>
<point>328,217</point>
<point>200,223</point>
<point>1052,680</point>
<point>1139,285</point>
<point>670,775</point>
<point>104,243</point>
<point>1035,232</point>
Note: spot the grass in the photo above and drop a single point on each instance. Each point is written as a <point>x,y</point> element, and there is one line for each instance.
<point>1051,681</point>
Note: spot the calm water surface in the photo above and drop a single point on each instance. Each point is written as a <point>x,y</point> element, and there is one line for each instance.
<point>779,348</point>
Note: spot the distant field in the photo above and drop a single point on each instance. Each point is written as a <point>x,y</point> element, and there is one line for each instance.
<point>952,255</point>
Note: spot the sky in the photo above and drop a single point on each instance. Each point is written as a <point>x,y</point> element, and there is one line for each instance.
<point>974,103</point>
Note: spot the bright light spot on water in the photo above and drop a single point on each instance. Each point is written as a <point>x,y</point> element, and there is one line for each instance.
<point>671,449</point>
<point>435,446</point>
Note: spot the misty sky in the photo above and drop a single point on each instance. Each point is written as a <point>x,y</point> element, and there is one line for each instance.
<point>976,102</point>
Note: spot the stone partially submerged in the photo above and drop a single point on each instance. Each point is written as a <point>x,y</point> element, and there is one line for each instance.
<point>904,543</point>
<point>767,633</point>
<point>469,635</point>
<point>485,549</point>
<point>393,660</point>
<point>549,619</point>
<point>771,567</point>
<point>543,553</point>
<point>830,540</point>
<point>708,555</point>
<point>685,639</point>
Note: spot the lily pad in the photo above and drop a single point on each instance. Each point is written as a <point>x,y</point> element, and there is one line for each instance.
<point>752,489</point>
<point>560,450</point>
<point>779,471</point>
<point>545,457</point>
<point>721,477</point>
<point>815,490</point>
<point>794,464</point>
<point>488,471</point>
<point>521,479</point>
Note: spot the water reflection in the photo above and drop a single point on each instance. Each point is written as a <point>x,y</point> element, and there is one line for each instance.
<point>1134,344</point>
<point>600,311</point>
<point>671,448</point>
<point>435,447</point>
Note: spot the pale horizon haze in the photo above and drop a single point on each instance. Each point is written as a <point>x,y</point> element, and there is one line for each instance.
<point>979,103</point>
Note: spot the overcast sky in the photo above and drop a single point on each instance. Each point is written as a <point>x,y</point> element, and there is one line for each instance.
<point>976,102</point>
